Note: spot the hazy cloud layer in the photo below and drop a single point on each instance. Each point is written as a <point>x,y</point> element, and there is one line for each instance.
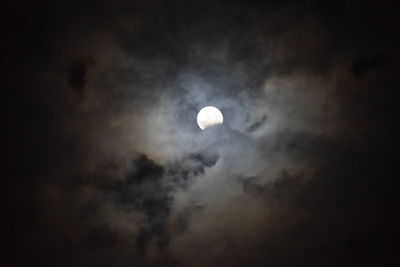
<point>113,170</point>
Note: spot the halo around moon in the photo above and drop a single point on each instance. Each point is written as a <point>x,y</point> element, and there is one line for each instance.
<point>209,116</point>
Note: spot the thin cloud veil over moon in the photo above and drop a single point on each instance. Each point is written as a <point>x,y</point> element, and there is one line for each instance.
<point>209,116</point>
<point>200,133</point>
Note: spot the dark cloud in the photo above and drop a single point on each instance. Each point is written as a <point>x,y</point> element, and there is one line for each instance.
<point>115,172</point>
<point>77,73</point>
<point>363,65</point>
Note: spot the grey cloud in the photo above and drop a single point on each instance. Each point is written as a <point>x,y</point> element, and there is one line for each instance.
<point>121,174</point>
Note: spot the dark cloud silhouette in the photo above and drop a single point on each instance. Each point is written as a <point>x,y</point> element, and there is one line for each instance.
<point>363,65</point>
<point>115,172</point>
<point>77,72</point>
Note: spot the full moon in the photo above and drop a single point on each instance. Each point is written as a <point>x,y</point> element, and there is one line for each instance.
<point>209,116</point>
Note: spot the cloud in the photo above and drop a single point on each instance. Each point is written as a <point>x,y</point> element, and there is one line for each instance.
<point>78,72</point>
<point>116,171</point>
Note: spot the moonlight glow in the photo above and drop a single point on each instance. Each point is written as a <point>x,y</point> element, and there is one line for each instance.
<point>209,116</point>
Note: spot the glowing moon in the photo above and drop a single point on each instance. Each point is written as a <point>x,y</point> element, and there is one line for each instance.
<point>209,116</point>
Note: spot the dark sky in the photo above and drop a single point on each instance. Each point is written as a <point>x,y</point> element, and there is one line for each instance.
<point>104,164</point>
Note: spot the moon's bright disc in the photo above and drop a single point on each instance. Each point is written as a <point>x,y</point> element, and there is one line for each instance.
<point>209,116</point>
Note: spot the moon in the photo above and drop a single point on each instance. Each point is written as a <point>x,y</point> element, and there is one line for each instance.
<point>209,116</point>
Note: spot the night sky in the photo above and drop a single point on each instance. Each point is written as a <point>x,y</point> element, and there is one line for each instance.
<point>105,165</point>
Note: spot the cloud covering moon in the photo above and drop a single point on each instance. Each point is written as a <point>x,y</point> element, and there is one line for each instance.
<point>209,116</point>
